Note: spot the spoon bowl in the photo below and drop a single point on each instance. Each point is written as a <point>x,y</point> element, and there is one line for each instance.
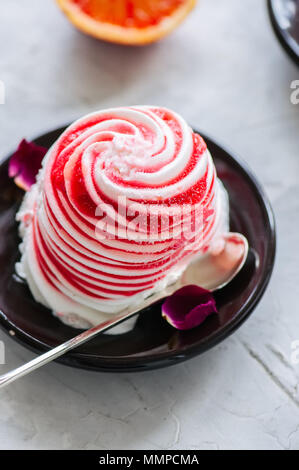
<point>220,266</point>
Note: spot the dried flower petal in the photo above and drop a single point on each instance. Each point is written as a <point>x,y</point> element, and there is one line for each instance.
<point>188,307</point>
<point>25,163</point>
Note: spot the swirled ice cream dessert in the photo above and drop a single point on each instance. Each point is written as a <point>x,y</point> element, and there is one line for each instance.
<point>125,198</point>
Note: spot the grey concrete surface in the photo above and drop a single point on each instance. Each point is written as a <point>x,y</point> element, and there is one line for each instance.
<point>224,71</point>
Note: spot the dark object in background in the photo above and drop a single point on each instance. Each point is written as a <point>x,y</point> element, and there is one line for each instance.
<point>284,15</point>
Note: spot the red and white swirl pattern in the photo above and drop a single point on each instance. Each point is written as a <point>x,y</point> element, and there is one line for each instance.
<point>84,250</point>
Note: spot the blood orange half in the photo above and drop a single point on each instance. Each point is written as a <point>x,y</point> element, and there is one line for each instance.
<point>134,22</point>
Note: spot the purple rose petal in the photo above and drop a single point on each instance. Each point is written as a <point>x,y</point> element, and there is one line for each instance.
<point>188,307</point>
<point>25,163</point>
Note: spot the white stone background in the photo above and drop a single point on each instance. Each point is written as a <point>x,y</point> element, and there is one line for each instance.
<point>224,71</point>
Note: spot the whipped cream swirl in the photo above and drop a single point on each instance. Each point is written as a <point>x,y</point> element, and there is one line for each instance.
<point>105,224</point>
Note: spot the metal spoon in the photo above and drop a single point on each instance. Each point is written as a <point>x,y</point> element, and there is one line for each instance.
<point>213,271</point>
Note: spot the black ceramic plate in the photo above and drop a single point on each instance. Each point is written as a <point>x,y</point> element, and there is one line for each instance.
<point>284,15</point>
<point>153,342</point>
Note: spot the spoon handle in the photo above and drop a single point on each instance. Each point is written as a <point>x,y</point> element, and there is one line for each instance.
<point>82,338</point>
<point>191,275</point>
